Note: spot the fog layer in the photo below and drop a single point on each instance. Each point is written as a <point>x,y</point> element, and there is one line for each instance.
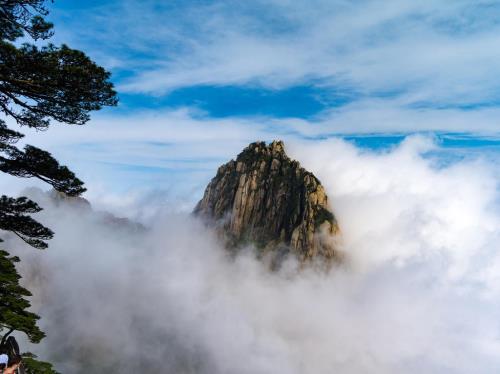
<point>418,291</point>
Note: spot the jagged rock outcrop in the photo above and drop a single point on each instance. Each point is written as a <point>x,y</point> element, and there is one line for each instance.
<point>265,198</point>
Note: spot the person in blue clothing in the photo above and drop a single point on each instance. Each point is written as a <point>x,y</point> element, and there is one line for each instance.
<point>4,360</point>
<point>14,364</point>
<point>10,358</point>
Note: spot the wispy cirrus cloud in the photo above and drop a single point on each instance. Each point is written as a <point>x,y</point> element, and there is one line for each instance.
<point>430,51</point>
<point>397,65</point>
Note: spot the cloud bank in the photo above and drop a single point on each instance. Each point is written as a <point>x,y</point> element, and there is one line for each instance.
<point>419,292</point>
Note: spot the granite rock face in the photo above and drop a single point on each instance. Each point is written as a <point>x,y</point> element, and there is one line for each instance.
<point>265,198</point>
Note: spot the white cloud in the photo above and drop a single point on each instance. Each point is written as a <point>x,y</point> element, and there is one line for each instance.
<point>178,150</point>
<point>433,51</point>
<point>444,212</point>
<point>409,65</point>
<point>411,299</point>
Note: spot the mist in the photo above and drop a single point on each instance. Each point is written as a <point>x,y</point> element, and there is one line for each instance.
<point>418,291</point>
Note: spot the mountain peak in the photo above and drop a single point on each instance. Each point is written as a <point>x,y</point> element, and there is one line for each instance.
<point>267,199</point>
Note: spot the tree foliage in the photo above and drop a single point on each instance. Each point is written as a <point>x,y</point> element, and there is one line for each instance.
<point>34,162</point>
<point>60,83</point>
<point>14,217</point>
<point>33,366</point>
<point>38,85</point>
<point>20,17</point>
<point>13,302</point>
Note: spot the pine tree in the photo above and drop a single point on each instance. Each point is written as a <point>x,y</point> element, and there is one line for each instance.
<point>37,85</point>
<point>13,302</point>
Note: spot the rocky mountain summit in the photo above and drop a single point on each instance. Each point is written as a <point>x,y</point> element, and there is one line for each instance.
<point>267,199</point>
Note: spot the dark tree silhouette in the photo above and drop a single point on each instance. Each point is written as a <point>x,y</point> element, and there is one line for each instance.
<point>38,85</point>
<point>13,303</point>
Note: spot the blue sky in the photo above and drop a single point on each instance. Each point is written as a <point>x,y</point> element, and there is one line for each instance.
<point>278,57</point>
<point>199,79</point>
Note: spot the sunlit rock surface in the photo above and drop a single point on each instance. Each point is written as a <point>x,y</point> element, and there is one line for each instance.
<point>266,199</point>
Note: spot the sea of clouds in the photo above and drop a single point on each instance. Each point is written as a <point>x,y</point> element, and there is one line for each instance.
<point>418,292</point>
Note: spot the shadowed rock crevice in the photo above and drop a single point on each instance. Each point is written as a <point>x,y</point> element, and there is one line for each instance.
<point>266,199</point>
